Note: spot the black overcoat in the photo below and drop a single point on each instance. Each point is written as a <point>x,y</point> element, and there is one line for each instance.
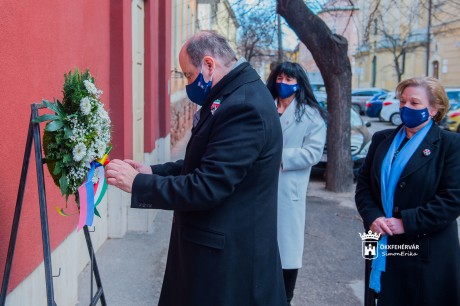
<point>427,198</point>
<point>223,248</point>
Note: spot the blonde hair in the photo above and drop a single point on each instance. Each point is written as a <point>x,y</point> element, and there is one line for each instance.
<point>436,94</point>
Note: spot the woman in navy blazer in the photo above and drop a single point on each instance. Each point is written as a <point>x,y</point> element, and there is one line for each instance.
<point>408,191</point>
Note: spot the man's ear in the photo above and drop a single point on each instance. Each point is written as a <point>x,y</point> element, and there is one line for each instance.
<point>209,64</point>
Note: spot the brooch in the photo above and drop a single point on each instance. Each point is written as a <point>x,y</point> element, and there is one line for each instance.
<point>215,105</point>
<point>426,152</point>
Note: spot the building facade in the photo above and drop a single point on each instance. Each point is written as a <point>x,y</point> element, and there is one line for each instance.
<point>126,45</point>
<point>444,60</point>
<point>397,42</point>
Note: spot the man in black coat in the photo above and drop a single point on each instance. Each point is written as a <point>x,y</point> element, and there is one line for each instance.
<point>223,248</point>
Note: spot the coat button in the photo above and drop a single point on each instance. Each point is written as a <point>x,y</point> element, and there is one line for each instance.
<point>402,184</point>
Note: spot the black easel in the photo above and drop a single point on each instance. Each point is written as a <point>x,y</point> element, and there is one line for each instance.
<point>33,135</point>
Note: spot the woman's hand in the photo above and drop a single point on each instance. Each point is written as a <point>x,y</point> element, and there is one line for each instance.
<point>141,168</point>
<point>395,225</point>
<point>380,226</point>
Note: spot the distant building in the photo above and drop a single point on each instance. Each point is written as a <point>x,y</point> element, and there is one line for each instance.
<point>444,58</point>
<point>184,25</point>
<point>126,46</point>
<point>394,28</point>
<point>188,18</point>
<point>218,15</point>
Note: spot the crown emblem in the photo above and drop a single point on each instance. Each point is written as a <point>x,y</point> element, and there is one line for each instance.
<point>369,236</point>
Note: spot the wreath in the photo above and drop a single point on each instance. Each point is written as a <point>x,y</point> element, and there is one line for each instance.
<point>76,140</point>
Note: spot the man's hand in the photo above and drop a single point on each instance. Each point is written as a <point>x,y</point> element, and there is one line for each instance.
<point>141,168</point>
<point>380,226</point>
<point>395,225</point>
<point>120,175</point>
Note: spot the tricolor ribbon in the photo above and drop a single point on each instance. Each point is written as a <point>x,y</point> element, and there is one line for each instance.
<point>91,194</point>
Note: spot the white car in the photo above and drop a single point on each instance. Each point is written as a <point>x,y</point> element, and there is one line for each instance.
<point>390,106</point>
<point>390,109</point>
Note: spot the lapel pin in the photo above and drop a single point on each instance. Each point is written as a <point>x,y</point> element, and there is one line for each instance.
<point>215,105</point>
<point>426,152</point>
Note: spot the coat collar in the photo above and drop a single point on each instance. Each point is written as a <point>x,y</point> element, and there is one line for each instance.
<point>288,117</point>
<point>417,160</point>
<point>237,77</point>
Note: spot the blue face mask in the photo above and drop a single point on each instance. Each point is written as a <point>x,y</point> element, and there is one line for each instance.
<point>413,117</point>
<point>285,90</point>
<point>199,89</point>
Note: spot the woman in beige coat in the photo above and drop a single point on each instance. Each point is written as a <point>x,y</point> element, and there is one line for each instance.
<point>304,136</point>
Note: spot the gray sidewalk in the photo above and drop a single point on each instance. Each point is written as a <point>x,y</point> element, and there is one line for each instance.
<point>132,268</point>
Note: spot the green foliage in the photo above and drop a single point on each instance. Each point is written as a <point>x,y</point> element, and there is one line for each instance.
<point>74,90</point>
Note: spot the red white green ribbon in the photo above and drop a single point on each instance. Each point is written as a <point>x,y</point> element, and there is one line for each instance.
<point>91,194</point>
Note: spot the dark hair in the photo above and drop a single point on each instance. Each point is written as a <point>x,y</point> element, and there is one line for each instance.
<point>304,96</point>
<point>209,43</point>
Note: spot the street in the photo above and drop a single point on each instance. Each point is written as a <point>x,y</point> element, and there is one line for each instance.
<point>333,271</point>
<point>333,268</point>
<point>377,125</point>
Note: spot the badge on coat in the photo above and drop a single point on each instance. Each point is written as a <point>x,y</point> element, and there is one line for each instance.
<point>426,152</point>
<point>215,105</point>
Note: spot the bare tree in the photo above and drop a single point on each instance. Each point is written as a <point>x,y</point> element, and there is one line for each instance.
<point>257,39</point>
<point>330,54</point>
<point>402,30</point>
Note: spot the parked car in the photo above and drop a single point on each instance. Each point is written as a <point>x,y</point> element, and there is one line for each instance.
<point>452,119</point>
<point>390,109</point>
<point>360,141</point>
<point>360,96</point>
<point>453,93</point>
<point>319,90</point>
<point>374,105</point>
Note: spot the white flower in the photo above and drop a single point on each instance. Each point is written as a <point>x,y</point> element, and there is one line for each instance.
<point>102,113</point>
<point>91,154</point>
<point>90,87</point>
<point>100,148</point>
<point>79,151</point>
<point>85,106</point>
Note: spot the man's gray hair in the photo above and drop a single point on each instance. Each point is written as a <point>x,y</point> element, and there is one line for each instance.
<point>211,44</point>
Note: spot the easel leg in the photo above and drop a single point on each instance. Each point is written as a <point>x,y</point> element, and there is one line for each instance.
<point>43,211</point>
<point>94,269</point>
<point>17,215</point>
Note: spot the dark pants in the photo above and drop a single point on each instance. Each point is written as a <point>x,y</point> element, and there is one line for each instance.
<point>290,277</point>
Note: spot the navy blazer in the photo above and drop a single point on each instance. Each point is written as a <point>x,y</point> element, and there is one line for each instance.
<point>223,248</point>
<point>427,198</point>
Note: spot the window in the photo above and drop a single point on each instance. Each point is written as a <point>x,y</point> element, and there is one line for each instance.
<point>436,69</point>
